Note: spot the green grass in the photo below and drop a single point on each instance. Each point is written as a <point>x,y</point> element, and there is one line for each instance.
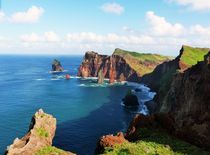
<point>50,150</point>
<point>155,143</point>
<point>192,55</point>
<point>141,56</point>
<point>42,132</point>
<point>142,63</point>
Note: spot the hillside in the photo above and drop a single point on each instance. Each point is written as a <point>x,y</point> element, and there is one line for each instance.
<point>142,63</point>
<point>161,78</point>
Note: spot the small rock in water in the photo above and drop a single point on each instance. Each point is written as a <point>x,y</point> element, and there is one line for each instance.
<point>130,99</point>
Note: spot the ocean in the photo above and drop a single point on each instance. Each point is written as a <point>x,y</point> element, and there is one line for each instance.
<point>84,110</point>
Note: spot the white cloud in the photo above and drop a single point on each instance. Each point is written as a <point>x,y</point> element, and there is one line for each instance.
<point>46,37</point>
<point>160,37</point>
<point>200,30</point>
<point>2,16</point>
<point>32,15</point>
<point>198,5</point>
<point>113,8</point>
<point>111,38</point>
<point>160,27</point>
<point>51,36</point>
<point>33,37</point>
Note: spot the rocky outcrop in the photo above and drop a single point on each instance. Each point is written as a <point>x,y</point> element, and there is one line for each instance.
<point>113,67</point>
<point>121,65</point>
<point>56,66</point>
<point>40,136</point>
<point>159,122</point>
<point>130,99</point>
<point>109,141</point>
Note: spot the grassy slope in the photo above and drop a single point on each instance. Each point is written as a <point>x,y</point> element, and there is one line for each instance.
<point>50,150</point>
<point>155,143</point>
<point>141,63</point>
<point>192,55</point>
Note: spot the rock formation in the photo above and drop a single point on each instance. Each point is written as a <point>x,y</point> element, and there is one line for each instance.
<point>121,65</point>
<point>130,99</point>
<point>56,66</point>
<point>109,141</point>
<point>100,77</point>
<point>39,137</point>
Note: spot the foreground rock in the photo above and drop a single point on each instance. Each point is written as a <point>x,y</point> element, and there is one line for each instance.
<point>38,139</point>
<point>121,65</point>
<point>56,66</point>
<point>109,141</point>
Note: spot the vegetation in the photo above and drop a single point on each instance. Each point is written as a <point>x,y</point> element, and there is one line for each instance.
<point>141,63</point>
<point>42,132</point>
<point>192,55</point>
<point>155,143</point>
<point>50,150</point>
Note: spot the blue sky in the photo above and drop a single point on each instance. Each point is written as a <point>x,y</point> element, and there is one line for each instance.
<point>74,27</point>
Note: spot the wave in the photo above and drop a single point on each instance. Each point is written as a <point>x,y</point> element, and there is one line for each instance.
<point>40,79</point>
<point>64,71</point>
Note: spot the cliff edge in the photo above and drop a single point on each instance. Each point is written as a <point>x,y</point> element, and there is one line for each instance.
<point>38,140</point>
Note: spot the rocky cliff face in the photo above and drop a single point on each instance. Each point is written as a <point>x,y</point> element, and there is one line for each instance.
<point>120,66</point>
<point>189,103</point>
<point>38,139</point>
<point>113,67</point>
<point>183,92</point>
<point>161,78</point>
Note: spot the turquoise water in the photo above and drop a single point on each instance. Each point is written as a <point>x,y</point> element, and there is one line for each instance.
<point>84,110</point>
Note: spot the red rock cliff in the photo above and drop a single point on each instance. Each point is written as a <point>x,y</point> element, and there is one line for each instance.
<point>121,65</point>
<point>114,67</point>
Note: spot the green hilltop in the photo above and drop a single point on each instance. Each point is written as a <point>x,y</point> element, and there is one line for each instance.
<point>191,56</point>
<point>142,63</point>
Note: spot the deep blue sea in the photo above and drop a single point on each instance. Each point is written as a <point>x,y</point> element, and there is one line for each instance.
<point>84,110</point>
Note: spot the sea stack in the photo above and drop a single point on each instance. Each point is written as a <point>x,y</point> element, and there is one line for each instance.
<point>100,77</point>
<point>56,66</point>
<point>130,99</point>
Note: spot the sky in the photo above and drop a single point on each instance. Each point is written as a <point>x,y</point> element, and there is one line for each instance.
<point>75,26</point>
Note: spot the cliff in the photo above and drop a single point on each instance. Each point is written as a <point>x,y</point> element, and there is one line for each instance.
<point>39,138</point>
<point>147,135</point>
<point>183,92</point>
<point>182,109</point>
<point>161,78</point>
<point>121,65</point>
<point>188,101</point>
